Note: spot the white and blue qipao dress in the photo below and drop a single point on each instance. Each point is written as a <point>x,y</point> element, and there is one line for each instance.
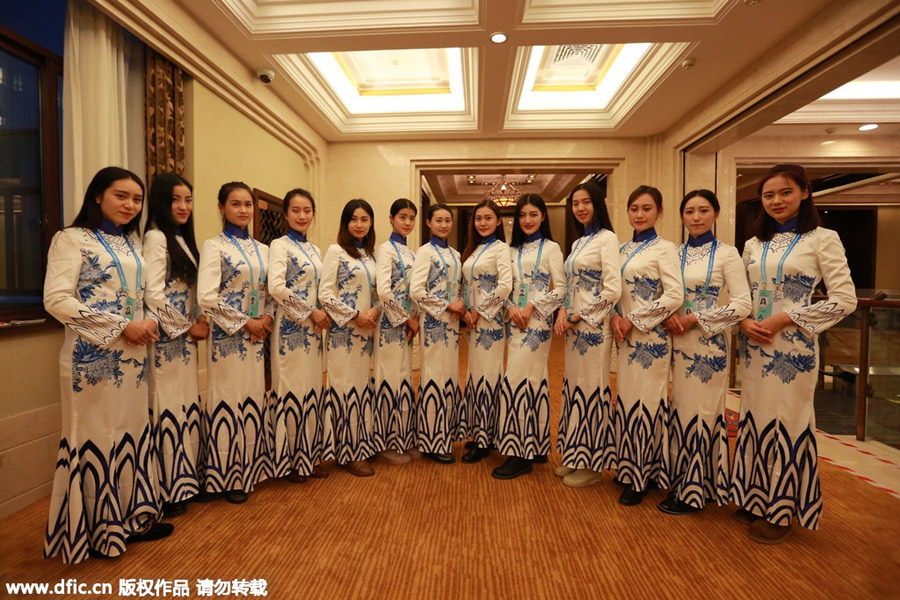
<point>776,473</point>
<point>698,440</point>
<point>488,282</point>
<point>651,291</point>
<point>347,288</point>
<point>395,411</point>
<point>301,428</point>
<point>594,284</point>
<point>174,393</point>
<point>235,438</point>
<point>434,284</point>
<point>104,487</point>
<point>523,415</point>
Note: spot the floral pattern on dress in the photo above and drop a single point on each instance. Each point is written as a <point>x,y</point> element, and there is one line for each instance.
<point>703,366</point>
<point>645,353</point>
<point>645,288</point>
<point>292,336</point>
<point>585,340</point>
<point>91,275</point>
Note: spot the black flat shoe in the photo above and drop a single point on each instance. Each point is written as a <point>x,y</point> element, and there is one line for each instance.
<point>204,497</point>
<point>444,458</point>
<point>622,483</point>
<point>630,497</point>
<point>156,531</point>
<point>174,509</point>
<point>96,554</point>
<point>539,459</point>
<point>470,444</point>
<point>475,454</point>
<point>236,496</point>
<point>512,468</point>
<point>674,506</point>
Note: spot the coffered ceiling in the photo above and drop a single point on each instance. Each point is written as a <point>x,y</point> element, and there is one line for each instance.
<point>427,69</point>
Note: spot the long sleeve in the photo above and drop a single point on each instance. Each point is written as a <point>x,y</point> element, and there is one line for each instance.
<point>649,316</point>
<point>555,296</point>
<point>718,318</point>
<point>291,301</point>
<point>423,274</point>
<point>209,279</point>
<point>598,310</point>
<point>841,301</point>
<point>391,301</point>
<point>492,302</point>
<point>339,312</point>
<point>64,267</point>
<point>156,259</point>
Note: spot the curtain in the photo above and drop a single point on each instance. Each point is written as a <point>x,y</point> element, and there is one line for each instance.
<point>102,96</point>
<point>164,100</point>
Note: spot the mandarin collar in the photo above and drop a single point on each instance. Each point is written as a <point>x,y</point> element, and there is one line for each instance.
<point>236,231</point>
<point>489,239</point>
<point>593,228</point>
<point>644,235</point>
<point>537,235</point>
<point>297,235</point>
<point>703,239</point>
<point>111,228</point>
<point>359,243</point>
<point>439,242</point>
<point>787,226</point>
<point>396,237</point>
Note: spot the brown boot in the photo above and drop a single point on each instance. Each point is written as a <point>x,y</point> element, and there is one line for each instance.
<point>319,472</point>
<point>295,477</point>
<point>763,532</point>
<point>360,468</point>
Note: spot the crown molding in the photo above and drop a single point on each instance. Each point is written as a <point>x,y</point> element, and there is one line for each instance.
<point>266,19</point>
<point>172,32</point>
<point>613,13</point>
<point>845,111</point>
<point>650,72</point>
<point>306,79</point>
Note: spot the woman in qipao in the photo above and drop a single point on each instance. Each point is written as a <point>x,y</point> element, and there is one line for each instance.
<point>231,290</point>
<point>301,428</point>
<point>171,255</point>
<point>538,289</point>
<point>775,478</point>
<point>347,292</point>
<point>395,410</point>
<point>487,274</point>
<point>698,441</point>
<point>593,286</point>
<point>104,489</point>
<point>651,292</point>
<point>434,286</point>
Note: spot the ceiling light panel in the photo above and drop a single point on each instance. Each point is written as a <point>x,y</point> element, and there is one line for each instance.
<point>866,90</point>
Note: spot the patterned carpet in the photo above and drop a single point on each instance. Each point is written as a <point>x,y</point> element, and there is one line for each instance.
<point>425,530</point>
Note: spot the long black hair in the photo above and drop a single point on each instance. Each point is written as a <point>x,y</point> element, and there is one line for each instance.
<point>345,239</point>
<point>475,237</point>
<point>808,216</point>
<point>518,236</point>
<point>601,214</point>
<point>159,216</point>
<point>90,216</point>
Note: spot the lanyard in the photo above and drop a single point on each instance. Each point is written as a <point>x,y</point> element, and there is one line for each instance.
<point>779,275</point>
<point>570,262</point>
<point>362,259</point>
<point>632,255</point>
<point>262,269</point>
<point>402,264</point>
<point>537,263</point>
<point>709,268</point>
<point>475,262</point>
<point>118,263</point>
<point>309,258</point>
<point>446,266</point>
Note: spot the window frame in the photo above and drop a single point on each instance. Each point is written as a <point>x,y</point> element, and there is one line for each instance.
<point>50,70</point>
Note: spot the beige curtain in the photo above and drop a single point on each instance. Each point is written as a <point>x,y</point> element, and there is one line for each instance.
<point>164,101</point>
<point>102,89</point>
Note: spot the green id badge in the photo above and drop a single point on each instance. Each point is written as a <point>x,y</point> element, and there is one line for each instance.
<point>407,304</point>
<point>568,295</point>
<point>522,296</point>
<point>764,302</point>
<point>130,308</point>
<point>449,293</point>
<point>196,310</point>
<point>467,294</point>
<point>690,306</point>
<point>254,304</point>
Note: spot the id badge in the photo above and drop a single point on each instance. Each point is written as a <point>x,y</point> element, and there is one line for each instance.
<point>764,301</point>
<point>467,294</point>
<point>196,310</point>
<point>568,295</point>
<point>522,296</point>
<point>449,293</point>
<point>130,308</point>
<point>778,300</point>
<point>690,306</point>
<point>254,304</point>
<point>407,304</point>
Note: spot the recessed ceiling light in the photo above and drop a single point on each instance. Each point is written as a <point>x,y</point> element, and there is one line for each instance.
<point>498,38</point>
<point>868,127</point>
<point>826,142</point>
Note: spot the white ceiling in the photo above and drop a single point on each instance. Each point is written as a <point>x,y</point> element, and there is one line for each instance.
<point>723,36</point>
